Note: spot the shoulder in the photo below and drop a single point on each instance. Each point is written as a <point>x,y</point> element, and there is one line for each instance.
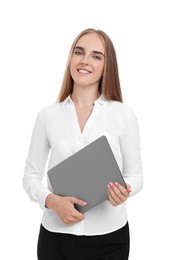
<point>43,111</point>
<point>49,111</point>
<point>123,115</point>
<point>122,109</point>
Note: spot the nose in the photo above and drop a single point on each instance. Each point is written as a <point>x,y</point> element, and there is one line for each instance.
<point>85,59</point>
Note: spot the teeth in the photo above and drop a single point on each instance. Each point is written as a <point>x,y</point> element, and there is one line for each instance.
<point>83,71</point>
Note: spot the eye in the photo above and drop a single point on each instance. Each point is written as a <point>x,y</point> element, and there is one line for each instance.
<point>78,52</point>
<point>97,57</point>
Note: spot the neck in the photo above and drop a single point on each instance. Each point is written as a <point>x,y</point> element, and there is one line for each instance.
<point>83,98</point>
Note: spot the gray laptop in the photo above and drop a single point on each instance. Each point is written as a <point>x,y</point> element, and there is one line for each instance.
<point>86,173</point>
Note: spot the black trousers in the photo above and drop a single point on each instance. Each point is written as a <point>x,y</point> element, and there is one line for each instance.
<point>60,246</point>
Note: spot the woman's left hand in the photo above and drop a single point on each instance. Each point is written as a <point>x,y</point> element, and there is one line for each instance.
<point>117,194</point>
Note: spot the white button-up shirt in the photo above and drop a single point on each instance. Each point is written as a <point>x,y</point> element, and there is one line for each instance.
<point>57,131</point>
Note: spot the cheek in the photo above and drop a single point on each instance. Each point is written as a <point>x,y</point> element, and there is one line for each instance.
<point>99,68</point>
<point>71,71</point>
<point>74,62</point>
<point>72,66</point>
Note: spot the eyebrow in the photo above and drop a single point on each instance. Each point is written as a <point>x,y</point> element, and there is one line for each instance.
<point>96,52</point>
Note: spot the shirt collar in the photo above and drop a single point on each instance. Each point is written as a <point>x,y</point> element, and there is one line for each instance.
<point>101,100</point>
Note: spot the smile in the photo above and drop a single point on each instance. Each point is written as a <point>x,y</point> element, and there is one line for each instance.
<point>84,71</point>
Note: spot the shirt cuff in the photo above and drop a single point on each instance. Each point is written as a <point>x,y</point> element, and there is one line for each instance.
<point>42,199</point>
<point>135,183</point>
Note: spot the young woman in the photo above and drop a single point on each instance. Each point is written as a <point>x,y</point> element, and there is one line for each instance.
<point>89,105</point>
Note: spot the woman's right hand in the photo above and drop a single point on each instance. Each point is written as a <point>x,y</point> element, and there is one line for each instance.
<point>64,208</point>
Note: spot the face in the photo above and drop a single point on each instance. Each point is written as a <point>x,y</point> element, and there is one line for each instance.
<point>87,61</point>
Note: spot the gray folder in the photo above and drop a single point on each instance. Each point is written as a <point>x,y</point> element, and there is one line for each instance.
<point>86,173</point>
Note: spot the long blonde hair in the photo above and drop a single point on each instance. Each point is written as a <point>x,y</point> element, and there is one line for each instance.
<point>109,84</point>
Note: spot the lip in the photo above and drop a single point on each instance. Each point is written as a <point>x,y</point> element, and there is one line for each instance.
<point>83,71</point>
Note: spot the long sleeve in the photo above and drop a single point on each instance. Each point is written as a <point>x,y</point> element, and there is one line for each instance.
<point>130,150</point>
<point>57,130</point>
<point>35,164</point>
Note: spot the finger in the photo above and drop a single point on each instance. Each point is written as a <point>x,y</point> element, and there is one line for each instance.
<point>113,196</point>
<point>78,201</point>
<point>71,218</point>
<point>118,193</point>
<point>111,200</point>
<point>68,222</point>
<point>78,215</point>
<point>129,189</point>
<point>123,190</point>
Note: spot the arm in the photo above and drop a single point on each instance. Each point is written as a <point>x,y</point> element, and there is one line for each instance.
<point>132,166</point>
<point>33,176</point>
<point>35,164</point>
<point>64,208</point>
<point>130,150</point>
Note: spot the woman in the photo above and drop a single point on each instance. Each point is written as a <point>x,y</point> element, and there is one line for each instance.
<point>89,105</point>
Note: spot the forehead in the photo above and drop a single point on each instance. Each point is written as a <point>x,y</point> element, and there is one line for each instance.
<point>90,42</point>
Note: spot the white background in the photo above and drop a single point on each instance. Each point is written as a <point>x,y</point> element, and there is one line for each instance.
<point>35,41</point>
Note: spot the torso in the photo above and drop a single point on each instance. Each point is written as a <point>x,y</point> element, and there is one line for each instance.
<point>83,114</point>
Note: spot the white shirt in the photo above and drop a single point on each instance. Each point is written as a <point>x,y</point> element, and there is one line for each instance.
<point>57,130</point>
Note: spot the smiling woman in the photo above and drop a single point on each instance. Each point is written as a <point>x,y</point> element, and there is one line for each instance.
<point>87,62</point>
<point>89,106</point>
<point>103,50</point>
